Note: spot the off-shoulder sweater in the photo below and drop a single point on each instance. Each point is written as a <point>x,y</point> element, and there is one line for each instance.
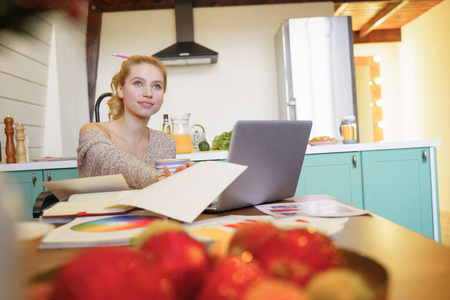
<point>98,155</point>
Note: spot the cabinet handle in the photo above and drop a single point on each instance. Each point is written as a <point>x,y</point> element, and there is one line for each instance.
<point>49,177</point>
<point>354,161</point>
<point>424,155</point>
<point>33,179</point>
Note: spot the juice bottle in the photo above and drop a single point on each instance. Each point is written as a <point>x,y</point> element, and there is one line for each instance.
<point>166,124</point>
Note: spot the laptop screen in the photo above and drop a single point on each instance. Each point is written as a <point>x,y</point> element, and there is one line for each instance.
<point>274,153</point>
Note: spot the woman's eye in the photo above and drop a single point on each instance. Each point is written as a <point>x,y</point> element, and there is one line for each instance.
<point>157,86</point>
<point>138,83</point>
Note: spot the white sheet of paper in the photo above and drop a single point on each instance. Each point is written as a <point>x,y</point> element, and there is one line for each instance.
<point>185,195</point>
<point>62,189</point>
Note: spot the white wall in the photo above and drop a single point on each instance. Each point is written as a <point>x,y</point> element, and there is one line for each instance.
<point>243,83</point>
<point>71,69</point>
<point>43,82</point>
<point>24,65</point>
<point>425,86</point>
<point>416,87</point>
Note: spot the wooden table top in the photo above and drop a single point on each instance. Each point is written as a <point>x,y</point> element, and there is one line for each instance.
<point>418,267</point>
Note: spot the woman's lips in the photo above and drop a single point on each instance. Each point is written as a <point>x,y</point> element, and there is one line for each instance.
<point>146,104</point>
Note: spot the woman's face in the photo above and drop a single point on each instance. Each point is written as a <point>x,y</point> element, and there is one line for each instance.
<point>143,91</point>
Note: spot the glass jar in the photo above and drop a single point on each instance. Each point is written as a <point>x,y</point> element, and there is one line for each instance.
<point>348,129</point>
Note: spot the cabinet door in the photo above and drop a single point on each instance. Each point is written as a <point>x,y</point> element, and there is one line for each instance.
<point>397,186</point>
<point>28,184</point>
<point>60,174</point>
<point>336,174</point>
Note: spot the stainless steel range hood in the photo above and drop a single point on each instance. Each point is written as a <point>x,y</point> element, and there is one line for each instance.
<point>185,51</point>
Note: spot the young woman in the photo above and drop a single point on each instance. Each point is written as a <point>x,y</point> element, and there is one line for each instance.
<point>125,145</point>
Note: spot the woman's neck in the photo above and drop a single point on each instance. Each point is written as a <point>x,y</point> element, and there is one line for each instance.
<point>131,128</point>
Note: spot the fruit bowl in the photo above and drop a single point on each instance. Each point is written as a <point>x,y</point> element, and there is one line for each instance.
<point>375,274</point>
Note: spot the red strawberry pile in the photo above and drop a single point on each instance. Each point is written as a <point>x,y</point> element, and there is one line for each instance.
<point>262,262</point>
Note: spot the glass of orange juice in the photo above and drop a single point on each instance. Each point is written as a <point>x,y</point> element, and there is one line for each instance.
<point>180,132</point>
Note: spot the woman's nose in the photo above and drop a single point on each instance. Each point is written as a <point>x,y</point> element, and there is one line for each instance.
<point>147,92</point>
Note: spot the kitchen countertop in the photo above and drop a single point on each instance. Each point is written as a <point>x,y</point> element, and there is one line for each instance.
<point>222,155</point>
<point>339,147</point>
<point>71,162</point>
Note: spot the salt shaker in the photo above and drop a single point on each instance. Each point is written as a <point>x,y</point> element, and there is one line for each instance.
<point>21,150</point>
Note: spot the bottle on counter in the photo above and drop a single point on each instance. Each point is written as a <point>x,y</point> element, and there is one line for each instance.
<point>166,124</point>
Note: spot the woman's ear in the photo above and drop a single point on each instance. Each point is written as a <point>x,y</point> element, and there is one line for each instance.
<point>120,90</point>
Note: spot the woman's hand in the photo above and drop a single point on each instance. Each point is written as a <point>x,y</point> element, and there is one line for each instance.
<point>178,169</point>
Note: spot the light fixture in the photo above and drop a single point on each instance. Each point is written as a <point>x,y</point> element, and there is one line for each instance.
<point>378,80</point>
<point>376,58</point>
<point>379,102</point>
<point>381,124</point>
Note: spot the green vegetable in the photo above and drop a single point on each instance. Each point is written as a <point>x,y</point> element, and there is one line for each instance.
<point>203,146</point>
<point>222,142</point>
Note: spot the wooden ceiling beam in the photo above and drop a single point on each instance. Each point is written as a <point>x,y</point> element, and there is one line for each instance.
<point>389,10</point>
<point>94,26</point>
<point>115,6</point>
<point>378,36</point>
<point>340,9</point>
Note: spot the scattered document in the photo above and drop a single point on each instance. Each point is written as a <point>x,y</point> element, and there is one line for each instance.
<point>316,208</point>
<point>185,195</point>
<point>182,196</point>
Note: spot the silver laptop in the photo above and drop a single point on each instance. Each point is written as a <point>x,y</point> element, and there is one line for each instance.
<point>274,153</point>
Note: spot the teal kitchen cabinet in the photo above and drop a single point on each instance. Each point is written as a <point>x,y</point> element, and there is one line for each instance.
<point>60,174</point>
<point>28,184</point>
<point>335,174</point>
<point>397,186</point>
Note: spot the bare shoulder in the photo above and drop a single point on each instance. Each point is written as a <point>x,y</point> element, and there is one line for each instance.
<point>92,126</point>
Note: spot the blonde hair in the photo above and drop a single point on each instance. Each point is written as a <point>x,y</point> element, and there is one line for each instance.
<point>115,103</point>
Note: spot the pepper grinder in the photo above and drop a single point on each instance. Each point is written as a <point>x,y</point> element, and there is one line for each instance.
<point>9,131</point>
<point>21,150</point>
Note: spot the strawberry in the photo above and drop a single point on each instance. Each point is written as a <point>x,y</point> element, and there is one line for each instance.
<point>38,291</point>
<point>182,260</point>
<point>111,273</point>
<point>251,237</point>
<point>299,254</point>
<point>274,289</point>
<point>230,278</point>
